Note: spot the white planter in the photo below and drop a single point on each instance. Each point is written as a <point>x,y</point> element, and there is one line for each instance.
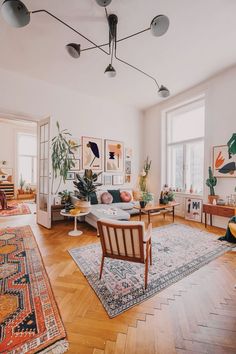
<point>83,205</point>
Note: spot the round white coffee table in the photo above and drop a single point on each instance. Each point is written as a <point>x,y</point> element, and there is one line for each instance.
<point>75,232</point>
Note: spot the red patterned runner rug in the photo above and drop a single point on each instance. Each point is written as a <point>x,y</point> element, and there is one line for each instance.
<point>29,318</point>
<point>15,208</point>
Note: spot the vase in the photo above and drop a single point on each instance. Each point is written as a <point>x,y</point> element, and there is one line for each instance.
<point>212,197</point>
<point>142,204</point>
<point>83,205</point>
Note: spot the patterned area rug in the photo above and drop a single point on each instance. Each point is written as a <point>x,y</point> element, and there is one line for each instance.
<point>15,208</point>
<point>29,318</point>
<point>178,250</point>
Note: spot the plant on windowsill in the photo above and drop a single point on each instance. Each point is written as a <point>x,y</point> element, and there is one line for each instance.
<point>86,186</point>
<point>211,183</point>
<point>21,183</point>
<point>167,195</point>
<point>145,198</point>
<point>63,150</point>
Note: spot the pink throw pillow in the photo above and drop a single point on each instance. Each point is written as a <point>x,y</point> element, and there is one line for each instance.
<point>125,197</point>
<point>106,198</point>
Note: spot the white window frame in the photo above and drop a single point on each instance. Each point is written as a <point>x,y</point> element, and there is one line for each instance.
<point>33,172</point>
<point>182,142</point>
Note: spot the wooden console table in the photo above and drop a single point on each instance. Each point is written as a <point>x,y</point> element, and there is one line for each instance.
<point>218,210</point>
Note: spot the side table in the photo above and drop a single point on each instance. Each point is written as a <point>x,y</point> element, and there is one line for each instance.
<point>75,232</point>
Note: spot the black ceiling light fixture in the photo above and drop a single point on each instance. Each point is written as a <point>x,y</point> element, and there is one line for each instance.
<point>16,14</point>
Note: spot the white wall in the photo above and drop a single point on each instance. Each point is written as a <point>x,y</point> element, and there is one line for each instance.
<point>219,125</point>
<point>81,114</point>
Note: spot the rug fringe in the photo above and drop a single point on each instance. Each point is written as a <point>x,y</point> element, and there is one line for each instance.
<point>59,347</point>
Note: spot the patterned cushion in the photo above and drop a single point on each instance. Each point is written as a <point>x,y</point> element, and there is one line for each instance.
<point>106,198</point>
<point>125,196</point>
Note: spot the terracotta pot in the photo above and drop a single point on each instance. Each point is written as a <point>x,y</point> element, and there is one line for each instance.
<point>83,205</point>
<point>212,197</point>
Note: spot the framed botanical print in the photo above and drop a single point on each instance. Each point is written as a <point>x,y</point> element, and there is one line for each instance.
<point>107,180</point>
<point>70,176</point>
<point>223,164</point>
<point>117,179</point>
<point>114,156</point>
<point>92,153</point>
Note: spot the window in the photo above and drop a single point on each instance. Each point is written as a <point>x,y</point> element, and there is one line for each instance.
<point>27,158</point>
<point>185,147</point>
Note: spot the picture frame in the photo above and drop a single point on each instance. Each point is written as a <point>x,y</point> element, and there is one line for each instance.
<point>107,180</point>
<point>92,153</point>
<point>127,178</point>
<point>117,180</point>
<point>224,166</point>
<point>193,209</point>
<point>70,176</point>
<point>128,153</point>
<point>114,156</point>
<point>77,165</point>
<point>6,174</point>
<point>128,169</point>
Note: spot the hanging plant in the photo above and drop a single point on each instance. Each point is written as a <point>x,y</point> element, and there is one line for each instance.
<point>63,150</point>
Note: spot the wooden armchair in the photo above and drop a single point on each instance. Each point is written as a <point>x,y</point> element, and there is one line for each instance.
<point>127,241</point>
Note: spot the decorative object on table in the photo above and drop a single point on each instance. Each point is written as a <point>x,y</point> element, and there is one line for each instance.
<point>144,175</point>
<point>63,148</point>
<point>70,176</point>
<point>86,187</point>
<point>167,195</point>
<point>220,202</point>
<point>117,180</point>
<point>114,156</point>
<point>211,183</point>
<point>173,258</point>
<point>224,162</point>
<point>230,235</point>
<point>128,153</point>
<point>30,320</point>
<point>145,198</point>
<point>107,180</point>
<point>193,209</point>
<point>92,153</point>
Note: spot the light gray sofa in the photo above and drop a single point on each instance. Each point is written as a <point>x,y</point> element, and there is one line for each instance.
<point>116,211</point>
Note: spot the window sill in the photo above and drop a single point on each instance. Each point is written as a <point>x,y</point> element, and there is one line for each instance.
<point>186,194</point>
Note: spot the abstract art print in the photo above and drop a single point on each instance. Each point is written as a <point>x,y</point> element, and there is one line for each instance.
<point>223,164</point>
<point>114,158</point>
<point>92,153</point>
<point>193,209</point>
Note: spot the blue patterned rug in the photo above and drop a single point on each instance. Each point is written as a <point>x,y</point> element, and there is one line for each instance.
<point>178,250</point>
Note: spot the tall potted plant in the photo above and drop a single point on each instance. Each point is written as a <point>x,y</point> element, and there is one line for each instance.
<point>86,185</point>
<point>63,150</point>
<point>211,183</point>
<point>144,175</point>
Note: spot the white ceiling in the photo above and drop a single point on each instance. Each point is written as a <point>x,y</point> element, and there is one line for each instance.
<point>200,42</point>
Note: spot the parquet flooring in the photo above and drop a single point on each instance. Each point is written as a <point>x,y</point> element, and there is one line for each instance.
<point>196,315</point>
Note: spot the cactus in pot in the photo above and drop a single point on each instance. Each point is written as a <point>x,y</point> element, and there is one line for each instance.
<point>211,183</point>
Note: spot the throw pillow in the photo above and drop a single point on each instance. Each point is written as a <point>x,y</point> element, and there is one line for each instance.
<point>93,198</point>
<point>99,194</point>
<point>125,197</point>
<point>106,198</point>
<point>130,191</point>
<point>116,195</point>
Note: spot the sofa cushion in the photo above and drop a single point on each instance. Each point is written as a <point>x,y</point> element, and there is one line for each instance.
<point>130,191</point>
<point>106,198</point>
<point>115,194</point>
<point>93,198</point>
<point>125,197</point>
<point>124,206</point>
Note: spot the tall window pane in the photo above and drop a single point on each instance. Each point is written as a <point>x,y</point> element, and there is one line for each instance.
<point>175,166</point>
<point>27,158</point>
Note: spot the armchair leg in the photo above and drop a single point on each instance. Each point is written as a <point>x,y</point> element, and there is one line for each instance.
<point>146,271</point>
<point>101,268</point>
<point>150,252</point>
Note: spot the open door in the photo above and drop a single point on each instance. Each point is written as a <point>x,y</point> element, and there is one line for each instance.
<point>44,180</point>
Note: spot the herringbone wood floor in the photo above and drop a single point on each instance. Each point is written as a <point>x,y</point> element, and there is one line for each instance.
<point>195,315</point>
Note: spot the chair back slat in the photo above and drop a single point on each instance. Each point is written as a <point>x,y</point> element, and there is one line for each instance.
<point>122,241</point>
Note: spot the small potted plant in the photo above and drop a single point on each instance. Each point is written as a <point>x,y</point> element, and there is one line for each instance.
<point>86,185</point>
<point>22,183</point>
<point>66,199</point>
<point>166,196</point>
<point>211,183</point>
<point>145,198</point>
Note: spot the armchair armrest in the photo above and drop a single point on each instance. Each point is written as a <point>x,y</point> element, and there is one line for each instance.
<point>148,233</point>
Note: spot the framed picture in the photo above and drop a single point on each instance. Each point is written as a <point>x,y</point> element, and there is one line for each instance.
<point>70,176</point>
<point>100,179</point>
<point>114,156</point>
<point>128,167</point>
<point>107,180</point>
<point>127,179</point>
<point>77,165</point>
<point>128,153</point>
<point>193,209</point>
<point>117,179</point>
<point>223,164</point>
<point>6,174</point>
<point>92,153</point>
